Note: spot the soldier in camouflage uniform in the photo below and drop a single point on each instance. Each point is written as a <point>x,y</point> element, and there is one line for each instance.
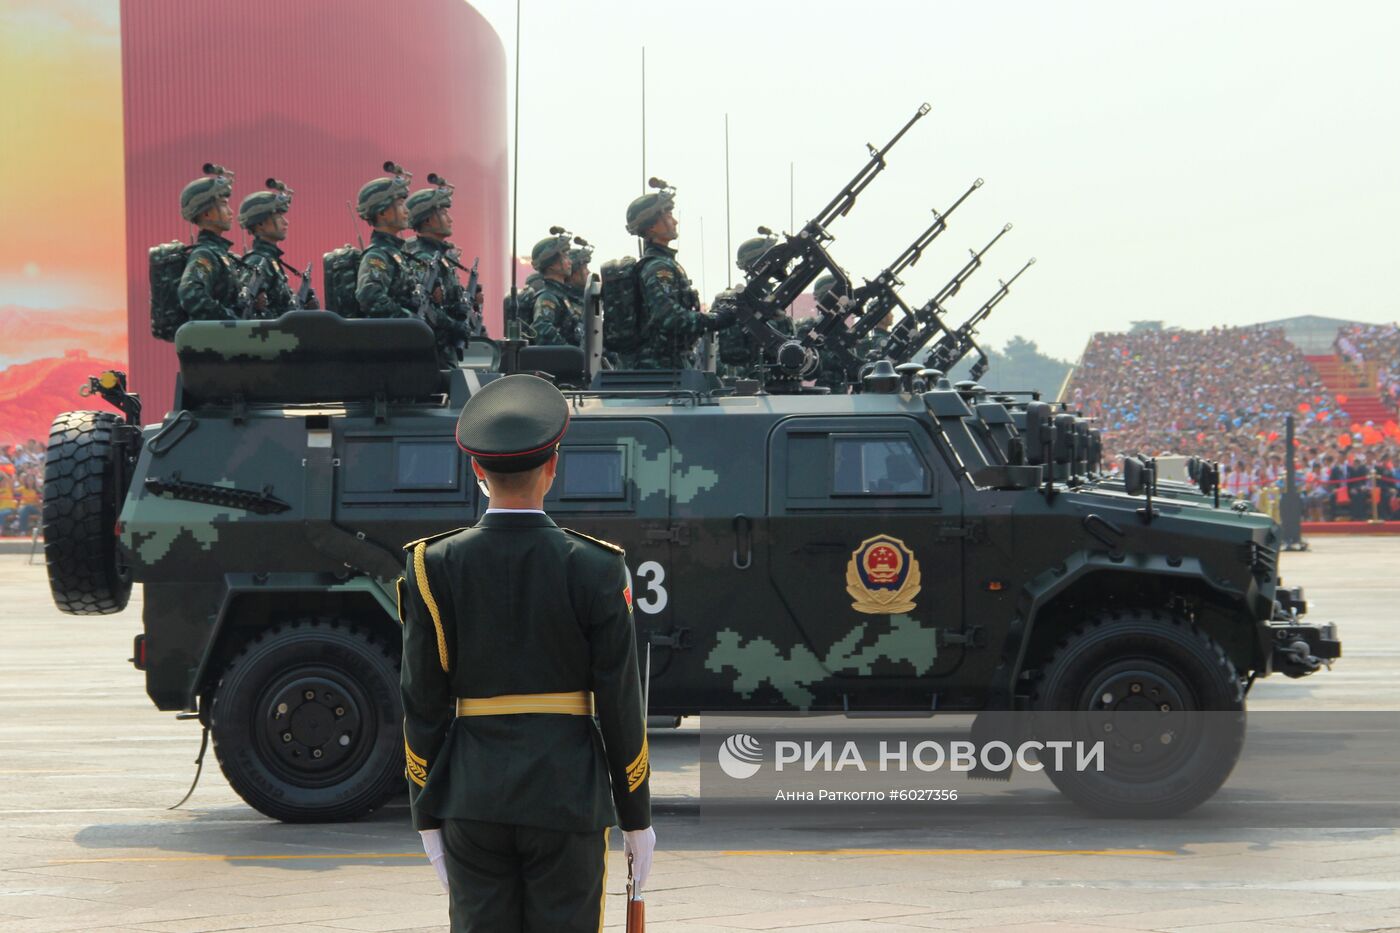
<point>457,320</point>
<point>831,372</point>
<point>211,283</point>
<point>385,284</point>
<point>264,215</point>
<point>740,355</point>
<point>671,320</point>
<point>579,260</point>
<point>558,318</point>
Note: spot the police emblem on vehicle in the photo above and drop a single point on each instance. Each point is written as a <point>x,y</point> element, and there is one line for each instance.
<point>883,576</point>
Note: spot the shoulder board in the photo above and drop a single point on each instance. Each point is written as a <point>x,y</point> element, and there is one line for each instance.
<point>592,540</point>
<point>437,537</point>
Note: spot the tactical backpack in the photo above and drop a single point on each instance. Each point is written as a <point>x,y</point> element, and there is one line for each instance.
<point>167,265</point>
<point>622,305</point>
<point>340,269</point>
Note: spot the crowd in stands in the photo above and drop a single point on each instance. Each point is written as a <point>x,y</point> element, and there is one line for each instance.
<point>1361,344</point>
<point>1223,394</point>
<point>21,487</point>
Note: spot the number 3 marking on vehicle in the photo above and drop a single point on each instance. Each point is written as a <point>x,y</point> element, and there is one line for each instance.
<point>654,576</point>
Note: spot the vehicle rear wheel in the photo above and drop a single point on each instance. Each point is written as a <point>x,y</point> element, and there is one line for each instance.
<point>81,502</point>
<point>1164,700</point>
<point>308,723</point>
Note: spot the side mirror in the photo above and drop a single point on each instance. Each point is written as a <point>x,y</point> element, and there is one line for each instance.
<point>1207,477</point>
<point>1095,450</point>
<point>1062,450</point>
<point>1134,476</point>
<point>1039,431</point>
<point>1081,447</point>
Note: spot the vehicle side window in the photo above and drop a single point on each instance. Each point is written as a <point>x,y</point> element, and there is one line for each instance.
<point>426,465</point>
<point>591,473</point>
<point>877,466</point>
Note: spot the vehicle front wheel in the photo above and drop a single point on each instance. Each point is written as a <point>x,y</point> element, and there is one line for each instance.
<point>1162,698</point>
<point>308,723</point>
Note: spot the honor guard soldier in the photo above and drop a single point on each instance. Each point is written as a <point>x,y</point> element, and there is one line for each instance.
<point>671,321</point>
<point>741,357</point>
<point>264,215</point>
<point>430,215</point>
<point>211,283</point>
<point>558,318</point>
<point>517,638</point>
<point>385,283</point>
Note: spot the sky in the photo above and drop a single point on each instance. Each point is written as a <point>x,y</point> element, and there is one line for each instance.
<point>1199,163</point>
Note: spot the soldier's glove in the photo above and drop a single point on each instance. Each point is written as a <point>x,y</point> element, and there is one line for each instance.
<point>639,845</point>
<point>432,846</point>
<point>725,316</point>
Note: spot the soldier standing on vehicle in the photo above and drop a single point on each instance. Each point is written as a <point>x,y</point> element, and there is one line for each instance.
<point>579,260</point>
<point>384,286</point>
<point>557,319</point>
<point>211,282</point>
<point>430,215</point>
<point>264,215</point>
<point>671,320</point>
<point>517,634</point>
<point>741,357</point>
<point>831,372</point>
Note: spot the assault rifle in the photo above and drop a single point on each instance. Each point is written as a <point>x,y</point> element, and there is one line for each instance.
<point>879,296</point>
<point>474,321</point>
<point>954,345</point>
<point>248,294</point>
<point>305,293</point>
<point>791,266</point>
<point>913,331</point>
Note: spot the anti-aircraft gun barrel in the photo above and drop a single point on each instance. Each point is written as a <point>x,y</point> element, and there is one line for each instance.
<point>879,296</point>
<point>952,347</point>
<point>790,267</point>
<point>913,331</point>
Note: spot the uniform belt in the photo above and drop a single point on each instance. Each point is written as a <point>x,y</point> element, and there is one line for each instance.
<point>575,703</point>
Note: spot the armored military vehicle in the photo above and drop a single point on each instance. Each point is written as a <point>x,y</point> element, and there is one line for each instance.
<point>807,552</point>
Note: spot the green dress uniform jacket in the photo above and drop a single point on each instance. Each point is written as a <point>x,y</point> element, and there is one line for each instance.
<point>387,276</point>
<point>519,606</point>
<point>558,319</point>
<point>264,260</point>
<point>672,321</point>
<point>211,281</point>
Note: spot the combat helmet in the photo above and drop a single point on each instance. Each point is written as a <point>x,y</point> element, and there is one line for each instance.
<point>424,202</point>
<point>550,248</point>
<point>823,284</point>
<point>380,194</point>
<point>755,248</point>
<point>202,193</point>
<point>582,253</point>
<point>644,211</point>
<point>260,205</point>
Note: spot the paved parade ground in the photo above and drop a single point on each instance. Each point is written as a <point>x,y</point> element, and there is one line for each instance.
<point>90,767</point>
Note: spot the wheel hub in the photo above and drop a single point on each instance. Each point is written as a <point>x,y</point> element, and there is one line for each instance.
<point>1138,711</point>
<point>313,726</point>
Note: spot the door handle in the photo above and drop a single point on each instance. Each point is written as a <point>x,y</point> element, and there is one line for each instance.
<point>743,543</point>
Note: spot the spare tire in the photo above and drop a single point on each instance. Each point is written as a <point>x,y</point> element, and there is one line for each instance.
<point>81,502</point>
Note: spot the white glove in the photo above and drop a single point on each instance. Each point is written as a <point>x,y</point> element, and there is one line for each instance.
<point>432,845</point>
<point>639,844</point>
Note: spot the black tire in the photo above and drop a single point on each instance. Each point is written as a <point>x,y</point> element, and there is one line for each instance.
<point>1164,699</point>
<point>354,718</point>
<point>87,574</point>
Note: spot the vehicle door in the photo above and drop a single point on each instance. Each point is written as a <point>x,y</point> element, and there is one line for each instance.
<point>614,483</point>
<point>866,546</point>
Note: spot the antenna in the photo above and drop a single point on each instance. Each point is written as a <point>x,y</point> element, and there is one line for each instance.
<point>354,227</point>
<point>728,249</point>
<point>512,325</point>
<point>704,289</point>
<point>641,243</point>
